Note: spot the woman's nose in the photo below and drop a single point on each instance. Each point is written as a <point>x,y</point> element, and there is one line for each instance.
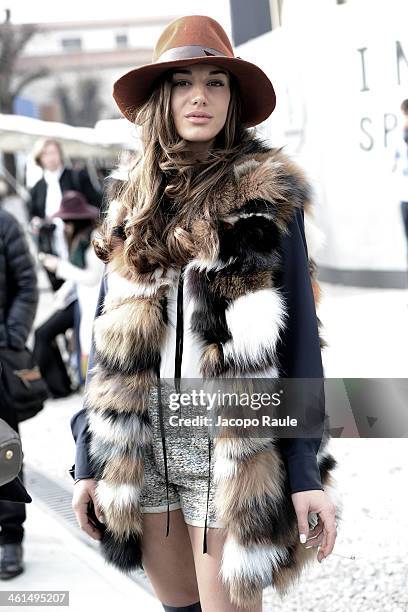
<point>198,94</point>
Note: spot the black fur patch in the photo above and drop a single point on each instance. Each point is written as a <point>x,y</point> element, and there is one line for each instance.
<point>124,555</point>
<point>253,241</point>
<point>208,320</point>
<point>139,362</point>
<point>326,464</point>
<point>267,521</point>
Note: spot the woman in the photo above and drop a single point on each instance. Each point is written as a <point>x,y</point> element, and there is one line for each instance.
<point>207,276</point>
<point>81,276</point>
<point>46,198</point>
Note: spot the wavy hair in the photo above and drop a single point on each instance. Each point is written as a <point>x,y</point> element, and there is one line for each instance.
<point>167,192</point>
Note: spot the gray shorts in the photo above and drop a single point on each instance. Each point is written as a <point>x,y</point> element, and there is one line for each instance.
<point>187,464</point>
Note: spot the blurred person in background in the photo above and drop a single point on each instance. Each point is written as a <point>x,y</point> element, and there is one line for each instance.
<point>18,305</point>
<point>46,199</point>
<point>76,298</point>
<point>401,168</point>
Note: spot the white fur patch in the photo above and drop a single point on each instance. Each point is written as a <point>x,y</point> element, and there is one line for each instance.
<point>234,218</point>
<point>204,265</point>
<point>252,563</point>
<point>224,468</point>
<point>255,321</point>
<point>117,495</point>
<point>119,288</point>
<point>113,432</point>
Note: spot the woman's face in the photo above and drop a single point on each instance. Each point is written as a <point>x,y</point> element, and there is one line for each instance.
<point>69,228</point>
<point>50,157</point>
<point>200,89</point>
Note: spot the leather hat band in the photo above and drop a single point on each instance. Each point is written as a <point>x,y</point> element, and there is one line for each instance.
<point>188,51</point>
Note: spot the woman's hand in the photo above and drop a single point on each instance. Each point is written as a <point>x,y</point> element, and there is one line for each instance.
<point>35,225</point>
<point>325,532</point>
<point>49,261</point>
<point>84,491</point>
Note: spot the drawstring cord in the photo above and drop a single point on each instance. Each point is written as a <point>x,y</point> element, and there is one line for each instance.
<point>163,437</point>
<point>208,496</point>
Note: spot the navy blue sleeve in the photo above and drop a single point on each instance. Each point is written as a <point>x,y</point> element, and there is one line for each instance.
<point>79,423</point>
<point>300,353</point>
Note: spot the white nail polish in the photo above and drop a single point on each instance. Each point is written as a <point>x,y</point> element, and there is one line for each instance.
<point>302,538</point>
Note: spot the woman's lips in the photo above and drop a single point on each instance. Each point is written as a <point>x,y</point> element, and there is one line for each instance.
<point>199,119</point>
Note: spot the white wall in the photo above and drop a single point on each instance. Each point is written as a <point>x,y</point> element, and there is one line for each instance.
<point>315,65</point>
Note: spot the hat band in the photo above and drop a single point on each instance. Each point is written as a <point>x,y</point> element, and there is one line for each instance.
<point>188,51</point>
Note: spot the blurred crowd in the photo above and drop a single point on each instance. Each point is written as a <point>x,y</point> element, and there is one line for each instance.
<point>62,212</point>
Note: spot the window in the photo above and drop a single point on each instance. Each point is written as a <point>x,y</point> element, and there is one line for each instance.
<point>71,44</point>
<point>121,40</point>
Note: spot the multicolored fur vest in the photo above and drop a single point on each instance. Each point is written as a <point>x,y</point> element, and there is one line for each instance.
<point>239,315</point>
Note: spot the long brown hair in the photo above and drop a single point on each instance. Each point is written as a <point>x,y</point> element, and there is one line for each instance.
<point>167,191</point>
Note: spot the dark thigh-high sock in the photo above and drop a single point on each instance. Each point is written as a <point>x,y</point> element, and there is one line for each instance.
<point>196,607</point>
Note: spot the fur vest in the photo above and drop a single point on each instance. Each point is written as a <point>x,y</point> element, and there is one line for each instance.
<point>230,290</point>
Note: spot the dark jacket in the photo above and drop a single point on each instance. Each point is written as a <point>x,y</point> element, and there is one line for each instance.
<point>18,284</point>
<point>18,305</point>
<point>300,357</point>
<point>77,180</point>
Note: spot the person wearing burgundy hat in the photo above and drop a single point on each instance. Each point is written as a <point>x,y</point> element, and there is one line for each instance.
<point>77,296</point>
<point>207,276</point>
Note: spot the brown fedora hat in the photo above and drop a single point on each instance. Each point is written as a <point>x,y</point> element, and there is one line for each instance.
<point>197,39</point>
<point>74,206</point>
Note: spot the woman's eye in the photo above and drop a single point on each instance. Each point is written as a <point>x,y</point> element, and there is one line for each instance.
<point>183,83</point>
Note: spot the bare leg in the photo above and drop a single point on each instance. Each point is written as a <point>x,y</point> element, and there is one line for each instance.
<point>169,562</point>
<point>214,596</point>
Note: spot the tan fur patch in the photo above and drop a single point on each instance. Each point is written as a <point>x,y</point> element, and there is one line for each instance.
<point>233,286</point>
<point>264,176</point>
<point>124,522</point>
<point>211,360</point>
<point>123,393</point>
<point>132,328</point>
<point>245,593</point>
<point>124,470</point>
<point>255,477</point>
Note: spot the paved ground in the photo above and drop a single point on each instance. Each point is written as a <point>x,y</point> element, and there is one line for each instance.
<point>367,333</point>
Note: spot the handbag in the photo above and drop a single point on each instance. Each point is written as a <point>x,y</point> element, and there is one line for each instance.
<point>11,454</point>
<point>23,386</point>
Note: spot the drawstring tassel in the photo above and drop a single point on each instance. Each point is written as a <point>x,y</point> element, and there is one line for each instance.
<point>163,437</point>
<point>208,496</point>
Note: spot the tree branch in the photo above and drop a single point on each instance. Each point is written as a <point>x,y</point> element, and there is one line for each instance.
<point>29,78</point>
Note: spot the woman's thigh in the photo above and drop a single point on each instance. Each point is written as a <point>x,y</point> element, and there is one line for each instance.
<point>214,595</point>
<point>168,561</point>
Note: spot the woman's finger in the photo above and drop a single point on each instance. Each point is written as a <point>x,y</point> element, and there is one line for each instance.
<point>316,542</point>
<point>330,532</point>
<point>316,529</point>
<point>84,522</point>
